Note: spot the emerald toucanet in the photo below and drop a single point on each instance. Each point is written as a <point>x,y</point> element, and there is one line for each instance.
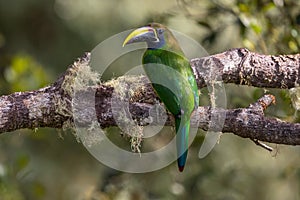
<point>172,78</point>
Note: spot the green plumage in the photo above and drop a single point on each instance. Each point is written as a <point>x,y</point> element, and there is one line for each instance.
<point>174,74</point>
<point>172,78</point>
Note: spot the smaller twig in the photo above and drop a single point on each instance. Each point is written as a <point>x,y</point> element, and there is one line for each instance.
<point>259,106</point>
<point>263,102</point>
<point>258,143</point>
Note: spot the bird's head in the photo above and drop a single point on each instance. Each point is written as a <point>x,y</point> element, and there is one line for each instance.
<point>155,35</point>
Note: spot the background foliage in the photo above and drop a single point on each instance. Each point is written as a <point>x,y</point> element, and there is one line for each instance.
<point>39,39</point>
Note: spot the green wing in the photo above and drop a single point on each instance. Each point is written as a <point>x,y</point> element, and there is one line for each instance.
<point>162,78</point>
<point>174,73</point>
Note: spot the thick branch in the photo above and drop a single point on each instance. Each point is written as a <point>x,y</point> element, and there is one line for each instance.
<point>52,107</point>
<point>240,66</point>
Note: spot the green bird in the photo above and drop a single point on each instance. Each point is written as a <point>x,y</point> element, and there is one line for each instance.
<point>172,78</point>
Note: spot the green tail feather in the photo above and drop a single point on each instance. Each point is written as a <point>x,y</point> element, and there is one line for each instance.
<point>182,142</point>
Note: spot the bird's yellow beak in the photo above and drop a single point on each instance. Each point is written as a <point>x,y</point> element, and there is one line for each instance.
<point>142,34</point>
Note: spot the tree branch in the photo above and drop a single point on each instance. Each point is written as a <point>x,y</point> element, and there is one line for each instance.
<point>54,106</point>
<point>240,66</point>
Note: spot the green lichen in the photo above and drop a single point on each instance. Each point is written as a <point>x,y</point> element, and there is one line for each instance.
<point>79,78</point>
<point>124,88</point>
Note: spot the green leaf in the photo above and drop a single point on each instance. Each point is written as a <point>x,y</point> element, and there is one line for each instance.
<point>256,28</point>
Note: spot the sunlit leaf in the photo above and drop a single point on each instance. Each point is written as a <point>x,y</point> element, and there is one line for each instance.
<point>25,73</point>
<point>243,7</point>
<point>293,46</point>
<point>256,28</point>
<point>268,6</point>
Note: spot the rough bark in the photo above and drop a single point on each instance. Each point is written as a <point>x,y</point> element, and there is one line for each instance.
<point>54,106</point>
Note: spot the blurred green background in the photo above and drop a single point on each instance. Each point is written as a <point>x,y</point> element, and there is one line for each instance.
<point>39,39</point>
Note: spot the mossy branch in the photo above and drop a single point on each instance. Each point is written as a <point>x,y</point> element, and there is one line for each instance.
<point>54,106</point>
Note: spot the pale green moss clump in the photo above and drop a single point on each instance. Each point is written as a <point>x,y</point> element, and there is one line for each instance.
<point>79,78</point>
<point>126,87</point>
